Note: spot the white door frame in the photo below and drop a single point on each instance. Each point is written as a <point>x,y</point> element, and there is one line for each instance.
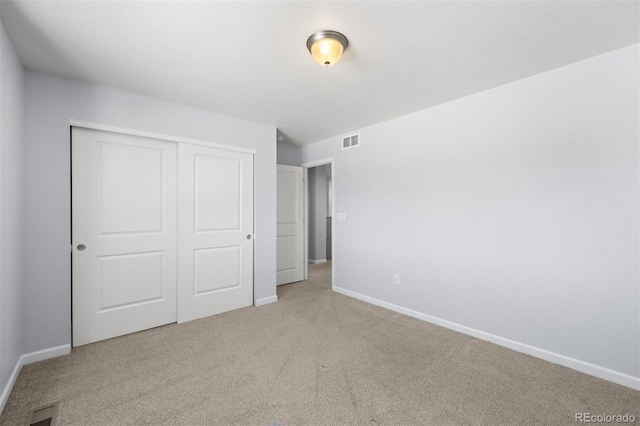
<point>145,134</point>
<point>306,167</point>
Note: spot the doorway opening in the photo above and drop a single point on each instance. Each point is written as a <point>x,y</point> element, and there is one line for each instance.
<point>305,228</point>
<point>319,223</point>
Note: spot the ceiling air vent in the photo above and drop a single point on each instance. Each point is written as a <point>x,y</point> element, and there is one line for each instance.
<point>351,141</point>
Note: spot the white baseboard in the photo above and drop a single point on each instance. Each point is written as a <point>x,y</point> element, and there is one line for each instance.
<point>45,354</point>
<point>30,358</point>
<point>315,262</point>
<point>266,300</point>
<point>9,386</point>
<point>576,364</point>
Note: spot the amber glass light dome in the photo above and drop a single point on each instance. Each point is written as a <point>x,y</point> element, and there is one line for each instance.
<point>327,47</point>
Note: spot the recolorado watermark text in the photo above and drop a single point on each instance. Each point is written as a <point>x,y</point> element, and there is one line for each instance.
<point>604,418</point>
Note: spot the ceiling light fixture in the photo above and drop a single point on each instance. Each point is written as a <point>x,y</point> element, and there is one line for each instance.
<point>327,46</point>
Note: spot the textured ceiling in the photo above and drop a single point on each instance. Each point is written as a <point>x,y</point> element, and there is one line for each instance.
<point>249,59</point>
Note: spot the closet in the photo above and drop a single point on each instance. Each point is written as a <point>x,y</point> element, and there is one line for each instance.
<point>162,232</point>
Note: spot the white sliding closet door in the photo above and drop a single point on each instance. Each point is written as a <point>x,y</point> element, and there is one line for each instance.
<point>162,231</point>
<point>215,225</point>
<point>124,234</point>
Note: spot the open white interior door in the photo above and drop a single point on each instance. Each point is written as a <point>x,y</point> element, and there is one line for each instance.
<point>290,229</point>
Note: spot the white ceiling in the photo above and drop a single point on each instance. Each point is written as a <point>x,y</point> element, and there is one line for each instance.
<point>249,59</point>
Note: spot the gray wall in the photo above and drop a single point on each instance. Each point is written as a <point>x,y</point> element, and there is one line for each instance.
<point>50,103</point>
<point>513,211</point>
<point>289,154</point>
<point>317,213</point>
<point>11,207</point>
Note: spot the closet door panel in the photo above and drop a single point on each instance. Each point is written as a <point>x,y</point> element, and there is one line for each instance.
<point>123,234</point>
<point>215,224</point>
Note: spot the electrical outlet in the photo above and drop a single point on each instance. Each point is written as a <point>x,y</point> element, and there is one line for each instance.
<point>396,279</point>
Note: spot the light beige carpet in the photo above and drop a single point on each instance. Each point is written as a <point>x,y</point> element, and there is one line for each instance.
<point>314,357</point>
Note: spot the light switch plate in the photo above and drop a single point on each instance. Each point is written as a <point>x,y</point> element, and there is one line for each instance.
<point>342,217</point>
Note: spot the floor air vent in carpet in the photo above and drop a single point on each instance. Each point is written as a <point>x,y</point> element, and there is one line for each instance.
<point>43,416</point>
